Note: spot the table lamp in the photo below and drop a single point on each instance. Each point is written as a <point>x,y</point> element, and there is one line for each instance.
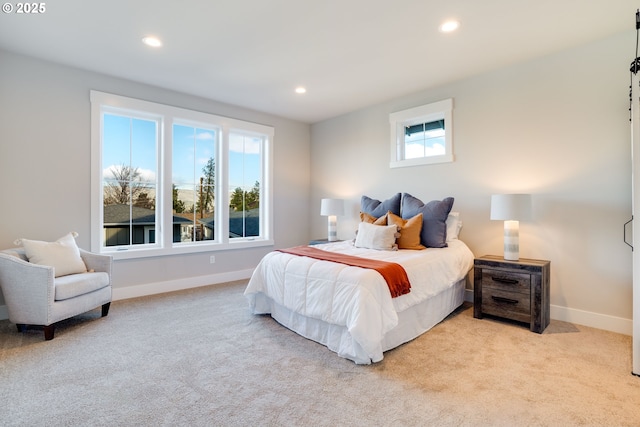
<point>332,208</point>
<point>511,208</point>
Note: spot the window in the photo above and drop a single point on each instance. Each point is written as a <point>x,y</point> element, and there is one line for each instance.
<point>245,151</point>
<point>167,180</point>
<point>422,135</point>
<point>193,191</point>
<point>129,179</point>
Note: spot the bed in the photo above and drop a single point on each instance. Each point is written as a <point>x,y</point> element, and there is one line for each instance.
<point>349,309</point>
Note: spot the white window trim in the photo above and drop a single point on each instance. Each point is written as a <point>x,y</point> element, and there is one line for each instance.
<point>422,114</point>
<point>101,101</point>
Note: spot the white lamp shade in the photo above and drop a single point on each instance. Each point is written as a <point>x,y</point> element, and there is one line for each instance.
<point>511,207</point>
<point>332,207</point>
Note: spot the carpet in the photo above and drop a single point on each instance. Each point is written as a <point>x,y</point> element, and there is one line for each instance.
<point>200,358</point>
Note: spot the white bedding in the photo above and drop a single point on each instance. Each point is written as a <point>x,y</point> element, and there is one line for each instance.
<point>354,298</point>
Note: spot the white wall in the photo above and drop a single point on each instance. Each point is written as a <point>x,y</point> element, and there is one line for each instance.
<point>557,127</point>
<point>45,171</point>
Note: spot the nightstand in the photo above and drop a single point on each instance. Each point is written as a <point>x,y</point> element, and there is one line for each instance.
<point>516,290</point>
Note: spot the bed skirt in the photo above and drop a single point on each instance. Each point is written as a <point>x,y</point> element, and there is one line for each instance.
<point>412,322</point>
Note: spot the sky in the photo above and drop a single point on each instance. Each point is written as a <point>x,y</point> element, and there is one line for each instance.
<point>134,142</point>
<point>424,144</point>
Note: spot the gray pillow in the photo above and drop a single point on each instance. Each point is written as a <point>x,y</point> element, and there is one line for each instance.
<point>434,217</point>
<point>377,208</point>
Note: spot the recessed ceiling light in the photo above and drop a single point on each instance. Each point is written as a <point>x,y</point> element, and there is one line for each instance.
<point>301,89</point>
<point>152,41</point>
<point>449,26</point>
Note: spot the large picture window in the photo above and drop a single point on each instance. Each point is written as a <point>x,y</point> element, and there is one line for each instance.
<point>168,180</point>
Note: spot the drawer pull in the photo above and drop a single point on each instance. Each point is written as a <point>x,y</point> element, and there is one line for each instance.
<point>504,280</point>
<point>505,300</point>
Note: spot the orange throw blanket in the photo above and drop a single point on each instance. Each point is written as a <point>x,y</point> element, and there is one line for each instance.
<point>393,273</point>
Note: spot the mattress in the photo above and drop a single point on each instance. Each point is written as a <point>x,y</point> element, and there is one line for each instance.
<point>349,309</point>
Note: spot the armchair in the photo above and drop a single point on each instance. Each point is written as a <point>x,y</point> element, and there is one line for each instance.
<point>35,297</point>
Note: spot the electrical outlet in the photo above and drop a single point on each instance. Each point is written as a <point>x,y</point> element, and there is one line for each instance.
<point>212,259</point>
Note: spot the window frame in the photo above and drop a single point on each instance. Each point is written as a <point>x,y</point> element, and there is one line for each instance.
<point>167,115</point>
<point>441,110</point>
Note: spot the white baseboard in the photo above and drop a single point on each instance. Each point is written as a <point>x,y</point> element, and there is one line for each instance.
<point>593,320</point>
<point>178,284</point>
<point>571,315</point>
<point>581,317</point>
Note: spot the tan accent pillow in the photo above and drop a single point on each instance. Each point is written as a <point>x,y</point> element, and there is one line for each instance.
<point>409,230</point>
<point>365,217</point>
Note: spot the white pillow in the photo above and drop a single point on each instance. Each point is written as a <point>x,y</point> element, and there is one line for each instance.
<point>63,254</point>
<point>454,224</point>
<point>372,236</point>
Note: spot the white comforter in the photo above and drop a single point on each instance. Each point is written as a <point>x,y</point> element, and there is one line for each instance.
<point>355,297</point>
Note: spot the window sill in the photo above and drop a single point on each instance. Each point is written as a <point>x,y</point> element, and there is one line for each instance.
<point>422,161</point>
<point>187,249</point>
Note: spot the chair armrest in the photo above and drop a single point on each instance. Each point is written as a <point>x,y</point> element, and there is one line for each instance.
<point>27,288</point>
<point>97,262</point>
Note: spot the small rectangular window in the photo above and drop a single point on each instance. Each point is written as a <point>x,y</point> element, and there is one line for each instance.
<point>422,135</point>
<point>424,140</point>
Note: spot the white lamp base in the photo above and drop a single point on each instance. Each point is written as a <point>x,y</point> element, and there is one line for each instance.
<point>512,240</point>
<point>333,229</point>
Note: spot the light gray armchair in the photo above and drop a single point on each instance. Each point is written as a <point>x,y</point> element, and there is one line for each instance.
<point>35,297</point>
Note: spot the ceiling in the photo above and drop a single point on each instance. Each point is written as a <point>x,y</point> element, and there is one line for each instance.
<point>347,53</point>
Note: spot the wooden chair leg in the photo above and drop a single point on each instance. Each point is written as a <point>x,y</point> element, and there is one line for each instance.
<point>105,309</point>
<point>48,332</point>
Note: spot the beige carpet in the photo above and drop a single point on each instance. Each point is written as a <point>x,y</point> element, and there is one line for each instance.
<point>199,358</point>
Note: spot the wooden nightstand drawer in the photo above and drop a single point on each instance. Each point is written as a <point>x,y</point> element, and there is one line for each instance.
<point>506,280</point>
<point>503,303</point>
